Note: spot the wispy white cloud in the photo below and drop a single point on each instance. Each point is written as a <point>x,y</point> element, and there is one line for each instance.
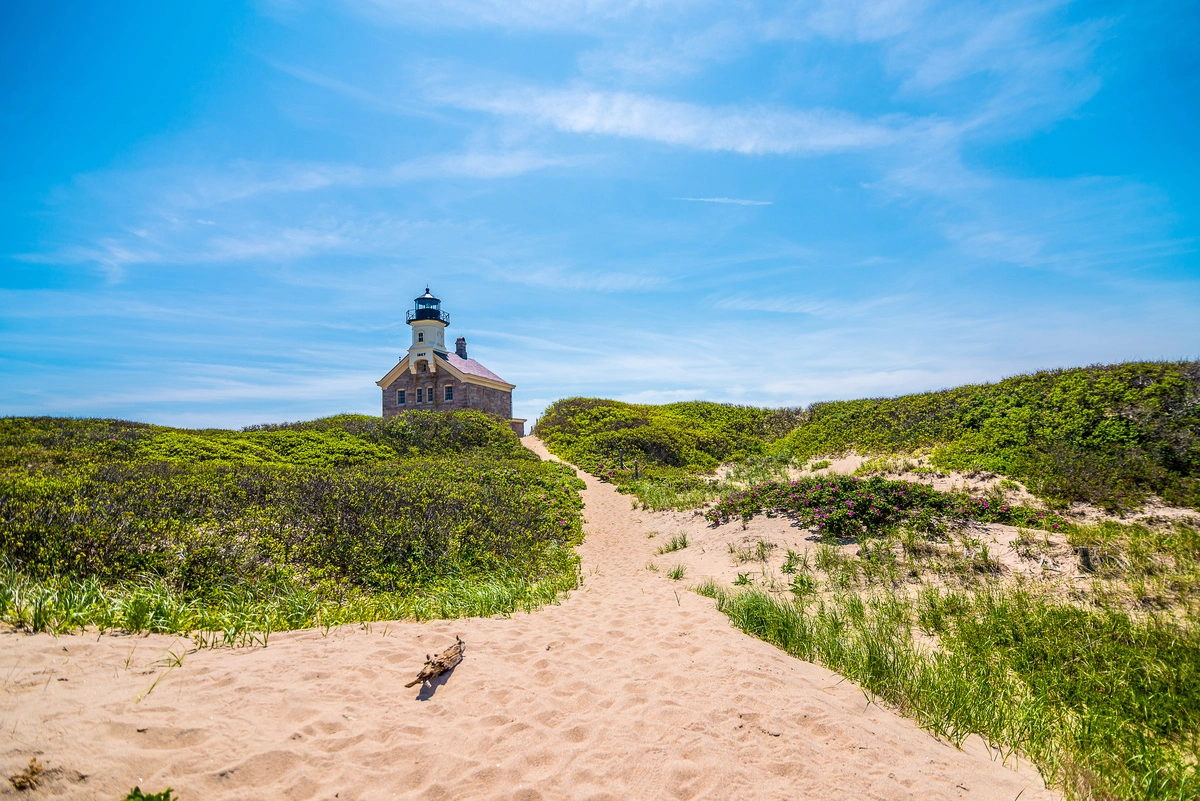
<point>480,165</point>
<point>648,55</point>
<point>252,240</point>
<point>576,279</point>
<point>1024,63</point>
<point>165,201</point>
<point>353,91</point>
<point>734,200</point>
<point>791,304</point>
<point>755,130</point>
<point>863,21</point>
<point>206,187</point>
<point>539,15</point>
<point>1090,224</point>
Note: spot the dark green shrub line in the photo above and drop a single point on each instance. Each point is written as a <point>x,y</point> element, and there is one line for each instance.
<point>1105,706</point>
<point>447,510</point>
<point>1105,434</point>
<point>1108,435</point>
<point>848,507</point>
<point>383,527</point>
<point>598,435</point>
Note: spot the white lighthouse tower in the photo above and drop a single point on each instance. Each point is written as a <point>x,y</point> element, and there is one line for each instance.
<point>428,323</point>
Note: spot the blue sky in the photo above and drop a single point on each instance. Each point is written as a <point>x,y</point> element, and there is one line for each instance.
<point>217,213</point>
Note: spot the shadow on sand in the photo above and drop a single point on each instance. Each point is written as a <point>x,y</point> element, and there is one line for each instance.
<point>430,687</point>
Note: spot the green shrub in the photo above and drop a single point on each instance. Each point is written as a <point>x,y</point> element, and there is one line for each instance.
<point>598,434</point>
<point>1106,434</point>
<point>849,507</point>
<point>338,507</point>
<point>136,794</point>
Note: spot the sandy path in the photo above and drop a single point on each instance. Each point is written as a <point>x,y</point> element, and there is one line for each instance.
<point>633,688</point>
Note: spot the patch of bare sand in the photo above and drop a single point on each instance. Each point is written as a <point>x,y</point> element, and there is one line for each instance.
<point>757,551</point>
<point>632,688</point>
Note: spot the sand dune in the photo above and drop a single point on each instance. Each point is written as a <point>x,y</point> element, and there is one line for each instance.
<point>632,688</point>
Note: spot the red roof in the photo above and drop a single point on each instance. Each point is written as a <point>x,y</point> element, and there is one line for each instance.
<point>470,366</point>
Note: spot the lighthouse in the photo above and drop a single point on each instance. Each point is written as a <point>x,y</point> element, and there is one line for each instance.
<point>429,377</point>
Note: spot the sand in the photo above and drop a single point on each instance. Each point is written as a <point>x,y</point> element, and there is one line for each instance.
<point>633,687</point>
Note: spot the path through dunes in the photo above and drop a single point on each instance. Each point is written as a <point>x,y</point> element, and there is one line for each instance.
<point>632,688</point>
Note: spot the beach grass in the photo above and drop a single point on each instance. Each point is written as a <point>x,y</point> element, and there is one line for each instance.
<point>243,615</point>
<point>1106,705</point>
<point>676,543</point>
<point>662,493</point>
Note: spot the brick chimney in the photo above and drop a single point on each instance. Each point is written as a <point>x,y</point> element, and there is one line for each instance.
<point>460,347</point>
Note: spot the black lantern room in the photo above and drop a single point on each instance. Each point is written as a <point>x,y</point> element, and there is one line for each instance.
<point>428,308</point>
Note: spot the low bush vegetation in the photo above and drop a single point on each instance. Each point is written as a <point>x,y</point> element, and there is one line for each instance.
<point>1107,435</point>
<point>139,527</point>
<point>673,446</point>
<point>601,434</point>
<point>847,507</point>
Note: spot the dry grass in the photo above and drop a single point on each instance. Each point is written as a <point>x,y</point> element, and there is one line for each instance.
<point>29,778</point>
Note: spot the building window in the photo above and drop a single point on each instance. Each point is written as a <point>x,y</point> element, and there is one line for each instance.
<point>400,397</point>
<point>420,336</point>
<point>424,367</point>
<point>421,395</point>
<point>449,393</point>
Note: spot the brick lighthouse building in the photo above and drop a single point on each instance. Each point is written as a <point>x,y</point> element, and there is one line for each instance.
<point>429,377</point>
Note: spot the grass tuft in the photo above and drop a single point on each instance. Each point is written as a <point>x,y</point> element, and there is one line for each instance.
<point>676,543</point>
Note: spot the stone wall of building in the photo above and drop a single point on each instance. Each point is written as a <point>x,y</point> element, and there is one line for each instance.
<point>466,396</point>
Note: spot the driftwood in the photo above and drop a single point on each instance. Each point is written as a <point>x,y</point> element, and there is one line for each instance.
<point>437,665</point>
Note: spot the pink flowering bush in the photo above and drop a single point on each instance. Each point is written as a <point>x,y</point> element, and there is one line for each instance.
<point>846,507</point>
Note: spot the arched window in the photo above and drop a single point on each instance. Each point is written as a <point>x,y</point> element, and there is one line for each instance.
<point>420,336</point>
